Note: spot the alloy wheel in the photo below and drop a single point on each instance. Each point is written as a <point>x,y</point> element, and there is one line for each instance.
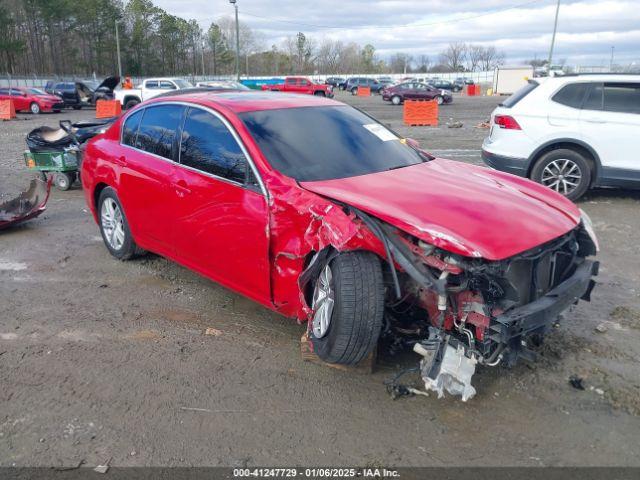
<point>323,301</point>
<point>112,223</point>
<point>562,175</point>
<point>35,108</point>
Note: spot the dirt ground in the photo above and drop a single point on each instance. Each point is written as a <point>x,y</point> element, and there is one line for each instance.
<point>101,359</point>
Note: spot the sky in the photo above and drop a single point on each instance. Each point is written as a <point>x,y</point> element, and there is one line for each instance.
<point>587,29</point>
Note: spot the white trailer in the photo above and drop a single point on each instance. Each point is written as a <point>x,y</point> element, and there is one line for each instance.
<point>507,80</point>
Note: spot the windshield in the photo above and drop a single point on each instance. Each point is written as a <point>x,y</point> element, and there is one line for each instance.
<point>91,84</point>
<point>182,83</point>
<point>325,143</point>
<point>36,91</point>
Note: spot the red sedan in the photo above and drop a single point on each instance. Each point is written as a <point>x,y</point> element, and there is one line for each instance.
<point>313,209</point>
<point>34,100</point>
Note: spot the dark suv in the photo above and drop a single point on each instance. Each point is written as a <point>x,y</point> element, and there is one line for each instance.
<point>354,82</point>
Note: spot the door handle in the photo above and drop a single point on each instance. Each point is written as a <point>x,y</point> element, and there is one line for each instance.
<point>182,189</point>
<point>121,161</point>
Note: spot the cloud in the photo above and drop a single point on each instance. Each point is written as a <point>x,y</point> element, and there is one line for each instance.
<point>587,29</point>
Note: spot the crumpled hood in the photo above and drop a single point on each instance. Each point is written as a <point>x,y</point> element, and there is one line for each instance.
<point>462,208</point>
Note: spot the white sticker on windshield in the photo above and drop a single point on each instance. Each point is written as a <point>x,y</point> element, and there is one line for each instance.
<point>380,132</point>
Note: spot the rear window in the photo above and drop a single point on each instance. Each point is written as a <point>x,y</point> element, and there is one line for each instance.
<point>572,95</point>
<point>350,143</point>
<point>520,94</point>
<point>157,131</point>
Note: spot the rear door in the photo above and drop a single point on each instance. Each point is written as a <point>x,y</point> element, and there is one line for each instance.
<point>222,216</point>
<point>610,123</point>
<point>149,149</point>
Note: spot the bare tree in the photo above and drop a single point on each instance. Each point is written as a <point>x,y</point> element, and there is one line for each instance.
<point>400,63</point>
<point>423,62</point>
<point>474,56</point>
<point>491,58</point>
<point>454,56</point>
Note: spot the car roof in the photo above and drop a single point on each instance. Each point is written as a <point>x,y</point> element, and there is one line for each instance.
<point>593,77</point>
<point>240,101</point>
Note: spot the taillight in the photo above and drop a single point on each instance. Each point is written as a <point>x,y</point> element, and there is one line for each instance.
<point>506,121</point>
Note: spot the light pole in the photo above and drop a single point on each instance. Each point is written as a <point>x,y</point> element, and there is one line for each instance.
<point>611,60</point>
<point>118,50</point>
<point>553,37</point>
<point>235,5</point>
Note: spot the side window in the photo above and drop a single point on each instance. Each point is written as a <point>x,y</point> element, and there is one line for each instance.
<point>571,95</point>
<point>594,98</point>
<point>290,81</point>
<point>622,97</point>
<point>169,85</point>
<point>4,91</point>
<point>208,145</point>
<point>130,129</point>
<point>157,130</point>
<point>151,84</point>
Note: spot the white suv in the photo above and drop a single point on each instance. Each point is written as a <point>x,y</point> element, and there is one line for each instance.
<point>570,133</point>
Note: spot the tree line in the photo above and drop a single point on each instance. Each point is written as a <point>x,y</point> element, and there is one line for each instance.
<point>78,37</point>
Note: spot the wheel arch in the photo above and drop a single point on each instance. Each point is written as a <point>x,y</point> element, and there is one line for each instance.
<point>570,144</point>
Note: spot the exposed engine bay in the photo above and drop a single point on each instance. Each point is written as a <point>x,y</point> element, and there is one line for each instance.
<point>459,312</point>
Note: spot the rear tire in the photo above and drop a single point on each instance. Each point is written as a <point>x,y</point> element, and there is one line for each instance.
<point>319,94</point>
<point>77,107</point>
<point>34,108</point>
<point>357,313</point>
<point>396,100</point>
<point>114,226</point>
<point>354,91</point>
<point>565,171</point>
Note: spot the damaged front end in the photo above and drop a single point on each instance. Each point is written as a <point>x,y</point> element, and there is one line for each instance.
<point>458,312</point>
<point>29,204</point>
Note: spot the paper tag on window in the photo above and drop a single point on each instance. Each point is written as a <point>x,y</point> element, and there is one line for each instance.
<point>380,132</point>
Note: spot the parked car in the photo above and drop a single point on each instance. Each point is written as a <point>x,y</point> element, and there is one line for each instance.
<point>222,85</point>
<point>397,94</point>
<point>442,85</point>
<point>151,87</point>
<point>334,81</point>
<point>74,94</point>
<point>354,82</point>
<point>30,99</point>
<point>83,93</point>
<point>569,133</point>
<point>302,85</point>
<point>384,83</point>
<point>240,187</point>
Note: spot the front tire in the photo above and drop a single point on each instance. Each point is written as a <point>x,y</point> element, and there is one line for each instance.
<point>348,305</point>
<point>319,94</point>
<point>439,99</point>
<point>354,91</point>
<point>565,171</point>
<point>114,227</point>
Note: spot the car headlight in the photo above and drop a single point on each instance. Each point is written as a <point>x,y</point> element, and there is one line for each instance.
<point>588,226</point>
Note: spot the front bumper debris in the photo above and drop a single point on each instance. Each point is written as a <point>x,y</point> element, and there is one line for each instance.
<point>27,205</point>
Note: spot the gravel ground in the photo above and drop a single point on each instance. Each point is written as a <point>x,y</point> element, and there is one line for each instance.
<point>103,359</point>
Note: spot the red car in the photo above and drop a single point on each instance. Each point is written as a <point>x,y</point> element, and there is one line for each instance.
<point>313,209</point>
<point>31,99</point>
<point>301,85</point>
<point>397,94</point>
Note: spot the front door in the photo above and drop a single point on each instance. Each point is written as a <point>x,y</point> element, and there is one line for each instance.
<point>222,218</point>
